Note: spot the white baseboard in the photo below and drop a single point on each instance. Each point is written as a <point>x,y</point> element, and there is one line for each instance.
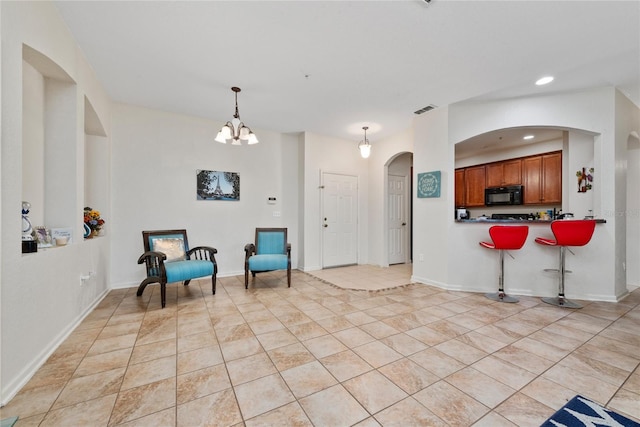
<point>11,389</point>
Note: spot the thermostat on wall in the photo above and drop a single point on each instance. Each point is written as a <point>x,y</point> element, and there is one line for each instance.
<point>271,200</point>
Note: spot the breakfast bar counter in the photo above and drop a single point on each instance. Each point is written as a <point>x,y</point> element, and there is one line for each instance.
<point>514,221</point>
<point>475,269</point>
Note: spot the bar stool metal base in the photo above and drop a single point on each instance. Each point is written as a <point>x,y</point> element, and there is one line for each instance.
<point>501,297</point>
<point>561,302</point>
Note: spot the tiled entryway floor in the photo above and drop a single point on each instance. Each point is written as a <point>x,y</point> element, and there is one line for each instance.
<point>367,277</point>
<point>319,355</point>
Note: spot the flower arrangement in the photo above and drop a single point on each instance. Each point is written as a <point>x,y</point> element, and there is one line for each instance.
<point>92,220</point>
<point>585,178</point>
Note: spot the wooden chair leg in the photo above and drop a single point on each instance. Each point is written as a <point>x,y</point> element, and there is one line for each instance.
<point>289,276</point>
<point>144,284</point>
<point>163,294</point>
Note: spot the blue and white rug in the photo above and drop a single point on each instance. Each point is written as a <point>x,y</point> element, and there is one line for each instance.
<point>582,412</point>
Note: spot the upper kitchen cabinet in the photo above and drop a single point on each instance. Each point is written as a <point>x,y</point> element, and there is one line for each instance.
<point>459,188</point>
<point>508,172</point>
<point>542,179</point>
<point>474,185</point>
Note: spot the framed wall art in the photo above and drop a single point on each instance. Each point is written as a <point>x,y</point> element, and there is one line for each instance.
<point>217,185</point>
<point>429,184</point>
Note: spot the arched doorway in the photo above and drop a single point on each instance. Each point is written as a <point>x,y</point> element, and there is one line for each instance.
<point>398,209</point>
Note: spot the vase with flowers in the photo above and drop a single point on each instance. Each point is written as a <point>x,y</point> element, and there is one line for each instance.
<point>93,222</point>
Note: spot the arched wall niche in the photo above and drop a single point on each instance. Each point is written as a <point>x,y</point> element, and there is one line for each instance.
<point>97,158</point>
<point>45,65</point>
<point>49,141</point>
<point>92,124</point>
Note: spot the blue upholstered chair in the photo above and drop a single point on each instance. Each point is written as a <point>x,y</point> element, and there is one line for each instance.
<point>168,259</point>
<point>270,252</point>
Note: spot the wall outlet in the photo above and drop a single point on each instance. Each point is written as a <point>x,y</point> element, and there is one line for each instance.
<point>276,213</point>
<point>86,277</point>
<point>421,257</point>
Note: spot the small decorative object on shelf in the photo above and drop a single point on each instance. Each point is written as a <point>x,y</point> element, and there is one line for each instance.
<point>27,229</point>
<point>43,236</point>
<point>585,178</point>
<point>93,222</point>
<point>28,242</point>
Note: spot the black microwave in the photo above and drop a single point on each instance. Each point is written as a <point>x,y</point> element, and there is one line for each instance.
<point>509,195</point>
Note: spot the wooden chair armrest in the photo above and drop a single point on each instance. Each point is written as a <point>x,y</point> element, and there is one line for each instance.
<point>249,249</point>
<point>202,252</point>
<point>150,255</point>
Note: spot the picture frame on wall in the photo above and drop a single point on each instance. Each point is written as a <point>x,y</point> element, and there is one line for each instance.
<point>429,184</point>
<point>217,185</point>
<point>43,237</point>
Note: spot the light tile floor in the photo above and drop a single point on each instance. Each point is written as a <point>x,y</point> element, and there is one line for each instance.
<point>367,277</point>
<point>316,354</point>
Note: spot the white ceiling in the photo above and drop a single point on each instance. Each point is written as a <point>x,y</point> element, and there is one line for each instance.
<point>511,137</point>
<point>331,67</point>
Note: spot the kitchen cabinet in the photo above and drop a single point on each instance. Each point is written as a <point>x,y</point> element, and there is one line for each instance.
<point>541,176</point>
<point>474,185</point>
<point>508,172</point>
<point>459,188</point>
<point>542,179</point>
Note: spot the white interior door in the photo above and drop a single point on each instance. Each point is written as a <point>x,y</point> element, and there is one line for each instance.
<point>339,220</point>
<point>398,219</point>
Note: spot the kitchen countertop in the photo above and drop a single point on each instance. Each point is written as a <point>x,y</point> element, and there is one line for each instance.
<point>514,221</point>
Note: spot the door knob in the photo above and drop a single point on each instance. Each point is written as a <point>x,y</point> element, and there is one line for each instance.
<point>404,223</point>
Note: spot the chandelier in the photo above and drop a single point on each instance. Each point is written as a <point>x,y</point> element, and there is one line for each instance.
<point>364,145</point>
<point>235,130</point>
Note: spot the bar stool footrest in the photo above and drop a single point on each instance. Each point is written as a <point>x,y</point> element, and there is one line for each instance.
<point>561,302</point>
<point>501,297</point>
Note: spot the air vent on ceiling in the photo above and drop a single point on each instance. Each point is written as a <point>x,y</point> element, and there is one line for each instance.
<point>425,109</point>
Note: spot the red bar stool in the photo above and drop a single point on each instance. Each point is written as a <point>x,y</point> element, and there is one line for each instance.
<point>567,233</point>
<point>505,238</point>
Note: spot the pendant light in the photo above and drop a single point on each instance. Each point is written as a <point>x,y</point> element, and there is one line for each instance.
<point>364,145</point>
<point>235,130</point>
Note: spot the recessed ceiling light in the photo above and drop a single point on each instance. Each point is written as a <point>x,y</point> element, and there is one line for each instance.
<point>528,137</point>
<point>544,80</point>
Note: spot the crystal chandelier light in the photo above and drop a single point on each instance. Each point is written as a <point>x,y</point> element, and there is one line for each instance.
<point>364,145</point>
<point>235,130</point>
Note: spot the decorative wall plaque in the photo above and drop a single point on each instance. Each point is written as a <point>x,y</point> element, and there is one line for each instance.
<point>429,184</point>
